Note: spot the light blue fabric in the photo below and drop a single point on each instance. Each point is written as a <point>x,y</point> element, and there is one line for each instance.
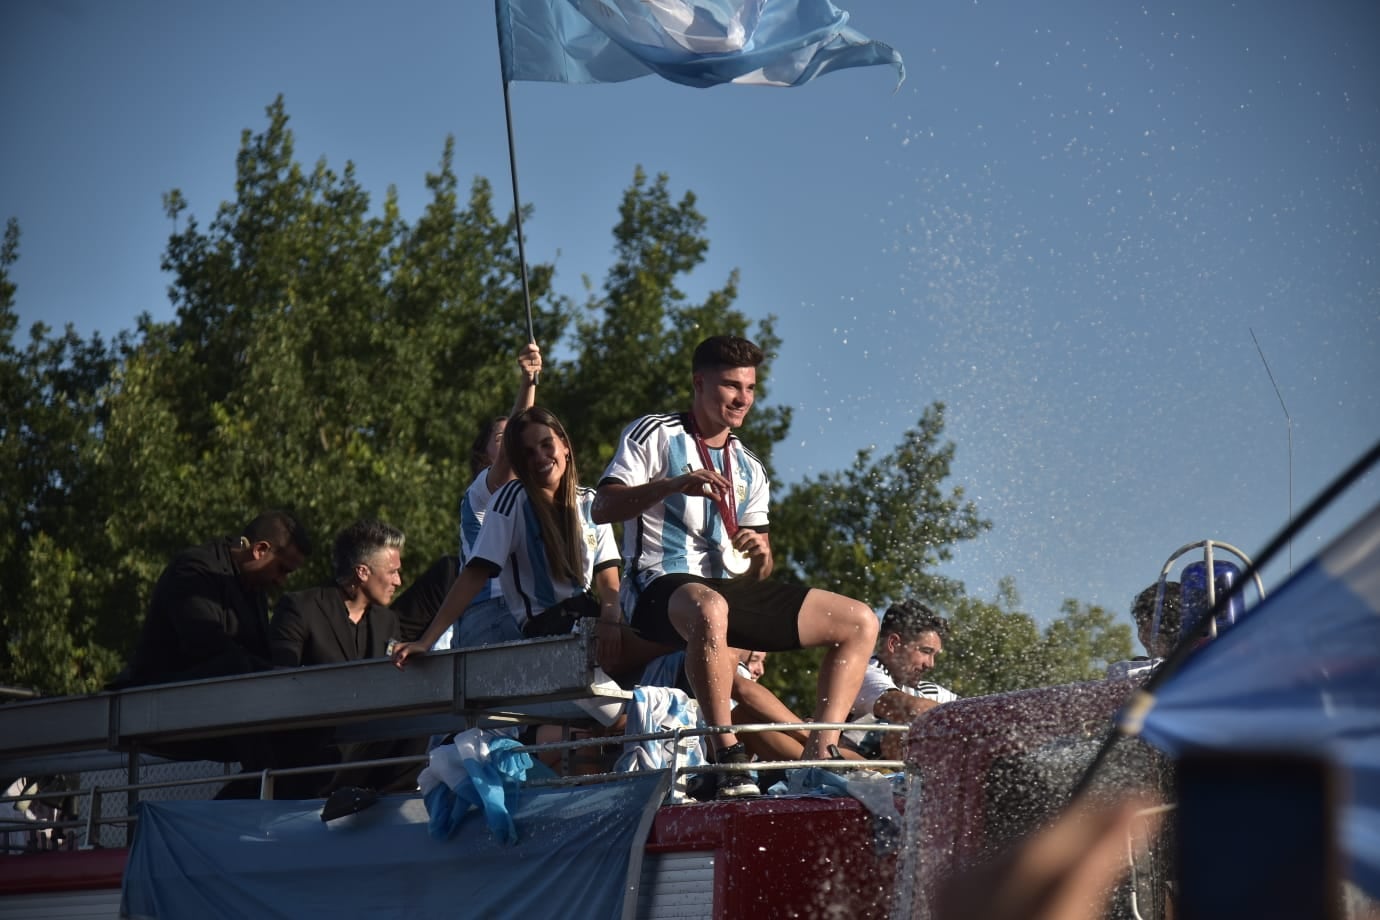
<point>478,770</point>
<point>486,623</point>
<point>693,42</point>
<point>663,671</point>
<point>275,860</point>
<point>1300,671</point>
<point>663,709</point>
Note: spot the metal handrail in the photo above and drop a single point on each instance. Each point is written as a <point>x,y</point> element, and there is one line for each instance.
<point>266,776</point>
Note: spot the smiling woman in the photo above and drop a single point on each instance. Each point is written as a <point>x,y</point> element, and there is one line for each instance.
<point>540,540</point>
<point>539,452</point>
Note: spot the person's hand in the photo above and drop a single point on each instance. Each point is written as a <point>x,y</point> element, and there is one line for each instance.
<point>405,651</point>
<point>608,650</point>
<point>1061,873</point>
<point>757,547</point>
<point>702,482</point>
<point>751,544</point>
<point>529,361</point>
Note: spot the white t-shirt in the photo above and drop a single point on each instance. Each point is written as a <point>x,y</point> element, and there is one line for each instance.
<point>877,681</point>
<point>510,540</point>
<point>684,532</point>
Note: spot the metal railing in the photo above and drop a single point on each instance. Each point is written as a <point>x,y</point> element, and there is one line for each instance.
<point>95,818</point>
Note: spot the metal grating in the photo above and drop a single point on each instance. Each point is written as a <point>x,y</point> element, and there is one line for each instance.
<point>676,886</point>
<point>115,804</point>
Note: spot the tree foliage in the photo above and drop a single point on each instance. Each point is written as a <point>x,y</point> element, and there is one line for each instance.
<point>51,417</point>
<point>642,320</point>
<point>877,532</point>
<point>994,646</point>
<point>325,355</point>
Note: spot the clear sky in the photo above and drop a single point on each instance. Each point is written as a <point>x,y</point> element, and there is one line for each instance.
<point>1064,225</point>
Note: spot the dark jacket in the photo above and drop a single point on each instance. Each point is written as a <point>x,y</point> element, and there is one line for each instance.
<point>202,622</point>
<point>313,627</point>
<point>418,604</point>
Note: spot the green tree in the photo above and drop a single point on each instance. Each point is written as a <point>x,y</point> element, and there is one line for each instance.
<point>1081,643</point>
<point>325,356</point>
<point>329,356</point>
<point>51,499</point>
<point>995,647</point>
<point>876,531</point>
<point>992,646</point>
<point>642,320</point>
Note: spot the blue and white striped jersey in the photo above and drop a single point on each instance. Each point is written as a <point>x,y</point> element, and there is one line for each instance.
<point>684,532</point>
<point>510,540</point>
<point>472,506</point>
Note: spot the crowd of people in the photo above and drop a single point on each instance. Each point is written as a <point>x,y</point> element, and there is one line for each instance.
<point>688,600</point>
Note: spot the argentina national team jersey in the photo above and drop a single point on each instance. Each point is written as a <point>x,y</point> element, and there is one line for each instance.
<point>510,540</point>
<point>472,507</point>
<point>877,681</point>
<point>682,533</point>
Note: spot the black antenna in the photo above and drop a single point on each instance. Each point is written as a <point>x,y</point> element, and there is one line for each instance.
<point>1289,428</point>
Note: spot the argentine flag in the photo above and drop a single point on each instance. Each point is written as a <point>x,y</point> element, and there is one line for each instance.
<point>693,42</point>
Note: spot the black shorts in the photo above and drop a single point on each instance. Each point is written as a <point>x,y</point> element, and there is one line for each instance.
<point>763,616</point>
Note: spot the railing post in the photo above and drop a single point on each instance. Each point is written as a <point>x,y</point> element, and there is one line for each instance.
<point>132,796</point>
<point>93,820</point>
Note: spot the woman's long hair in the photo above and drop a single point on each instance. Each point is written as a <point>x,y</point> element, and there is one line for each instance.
<point>559,519</point>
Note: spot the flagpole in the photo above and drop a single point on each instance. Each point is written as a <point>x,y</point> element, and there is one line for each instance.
<point>517,210</point>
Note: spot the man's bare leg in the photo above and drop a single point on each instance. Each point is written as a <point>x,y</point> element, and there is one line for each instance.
<point>757,704</point>
<point>848,629</point>
<point>700,615</point>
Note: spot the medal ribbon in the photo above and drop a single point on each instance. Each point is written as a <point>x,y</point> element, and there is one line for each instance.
<point>727,505</point>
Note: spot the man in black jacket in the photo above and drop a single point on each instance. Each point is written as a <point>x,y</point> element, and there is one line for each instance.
<point>208,616</point>
<point>348,619</point>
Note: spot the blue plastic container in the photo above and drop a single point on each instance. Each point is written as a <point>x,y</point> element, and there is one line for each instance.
<point>1193,590</point>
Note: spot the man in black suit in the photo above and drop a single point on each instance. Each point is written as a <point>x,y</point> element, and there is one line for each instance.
<point>208,616</point>
<point>349,620</point>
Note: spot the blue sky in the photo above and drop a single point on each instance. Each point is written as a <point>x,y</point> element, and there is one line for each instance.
<point>1064,225</point>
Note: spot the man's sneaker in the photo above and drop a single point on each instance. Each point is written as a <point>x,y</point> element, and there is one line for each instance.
<point>734,785</point>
